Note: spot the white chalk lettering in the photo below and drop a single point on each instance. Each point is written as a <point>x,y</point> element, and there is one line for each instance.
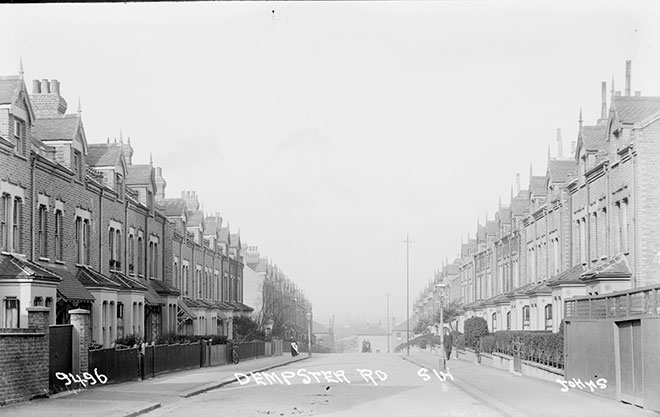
<point>286,375</point>
<point>424,374</point>
<point>76,381</point>
<point>303,373</point>
<point>342,374</point>
<point>242,378</point>
<point>443,376</point>
<point>574,383</point>
<point>329,377</point>
<point>258,378</point>
<point>316,375</point>
<point>271,377</point>
<point>382,375</point>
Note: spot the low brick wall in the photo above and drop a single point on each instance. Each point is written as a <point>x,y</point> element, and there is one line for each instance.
<point>24,359</point>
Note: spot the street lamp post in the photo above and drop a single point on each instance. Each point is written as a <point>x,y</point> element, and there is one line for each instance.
<point>443,359</point>
<point>309,335</point>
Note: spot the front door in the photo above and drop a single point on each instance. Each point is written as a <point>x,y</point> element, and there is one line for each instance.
<point>630,355</point>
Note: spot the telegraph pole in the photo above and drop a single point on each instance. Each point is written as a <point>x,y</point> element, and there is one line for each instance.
<point>388,323</point>
<point>407,242</point>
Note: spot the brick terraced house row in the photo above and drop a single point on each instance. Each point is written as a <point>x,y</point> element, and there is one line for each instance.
<point>588,227</point>
<point>82,226</point>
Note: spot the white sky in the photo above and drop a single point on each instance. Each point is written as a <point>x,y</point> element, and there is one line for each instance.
<point>326,132</point>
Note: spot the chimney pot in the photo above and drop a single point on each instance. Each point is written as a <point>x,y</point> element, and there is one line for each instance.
<point>55,87</point>
<point>628,65</point>
<point>559,143</point>
<point>638,93</point>
<point>603,100</point>
<point>517,183</point>
<point>36,87</point>
<point>45,86</point>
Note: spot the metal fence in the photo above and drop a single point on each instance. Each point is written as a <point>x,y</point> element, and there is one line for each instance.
<point>644,301</point>
<point>116,365</point>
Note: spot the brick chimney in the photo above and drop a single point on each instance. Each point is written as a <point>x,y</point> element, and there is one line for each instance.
<point>559,144</point>
<point>160,184</point>
<point>628,64</point>
<point>45,98</point>
<point>190,198</point>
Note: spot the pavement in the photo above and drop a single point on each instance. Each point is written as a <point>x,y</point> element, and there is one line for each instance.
<point>516,395</point>
<point>133,398</point>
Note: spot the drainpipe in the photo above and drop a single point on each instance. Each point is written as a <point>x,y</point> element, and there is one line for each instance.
<point>34,207</point>
<point>100,231</point>
<point>634,228</point>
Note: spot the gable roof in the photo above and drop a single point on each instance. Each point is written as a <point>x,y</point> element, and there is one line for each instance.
<point>12,266</point>
<point>139,174</point>
<point>402,327</point>
<point>195,218</point>
<point>537,185</point>
<point>616,267</point>
<point>70,288</point>
<point>235,240</point>
<point>570,276</point>
<point>9,88</point>
<point>630,110</point>
<point>103,154</point>
<point>173,206</point>
<point>64,127</point>
<point>561,170</point>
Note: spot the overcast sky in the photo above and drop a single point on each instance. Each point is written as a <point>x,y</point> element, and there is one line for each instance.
<point>327,132</point>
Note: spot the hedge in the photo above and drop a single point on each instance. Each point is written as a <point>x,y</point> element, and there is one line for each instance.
<point>538,346</point>
<point>475,328</point>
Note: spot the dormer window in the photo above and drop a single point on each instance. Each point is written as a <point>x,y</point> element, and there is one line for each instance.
<point>19,134</point>
<point>119,184</point>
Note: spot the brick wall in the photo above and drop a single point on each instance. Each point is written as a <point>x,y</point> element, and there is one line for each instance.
<point>24,359</point>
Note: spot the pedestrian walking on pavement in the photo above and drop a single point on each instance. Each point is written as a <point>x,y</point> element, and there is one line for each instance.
<point>449,343</point>
<point>294,347</point>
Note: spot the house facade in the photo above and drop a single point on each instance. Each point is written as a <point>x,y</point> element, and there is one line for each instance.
<point>83,226</point>
<point>587,227</point>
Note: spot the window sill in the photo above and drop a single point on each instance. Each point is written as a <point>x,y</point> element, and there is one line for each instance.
<point>44,259</point>
<point>59,262</point>
<point>20,156</point>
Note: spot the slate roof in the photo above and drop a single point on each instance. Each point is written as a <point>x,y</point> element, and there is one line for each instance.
<point>103,154</point>
<point>224,235</point>
<point>373,331</point>
<point>519,204</point>
<point>537,185</point>
<point>184,307</point>
<point>235,240</point>
<point>630,110</point>
<point>139,174</point>
<point>9,88</point>
<point>212,224</point>
<point>173,206</point>
<point>127,282</point>
<point>497,299</point>
<point>61,127</point>
<point>504,214</point>
<point>163,288</point>
<point>570,276</point>
<point>492,227</point>
<point>12,266</point>
<point>195,218</point>
<point>561,170</point>
<point>70,288</point>
<point>616,267</point>
<point>93,279</point>
<point>594,138</point>
<point>539,288</point>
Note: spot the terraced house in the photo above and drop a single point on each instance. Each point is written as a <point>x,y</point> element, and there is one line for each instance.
<point>83,226</point>
<point>587,227</point>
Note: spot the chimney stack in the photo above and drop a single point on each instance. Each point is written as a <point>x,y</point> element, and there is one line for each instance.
<point>55,87</point>
<point>628,63</point>
<point>36,87</point>
<point>559,144</point>
<point>638,93</point>
<point>603,100</point>
<point>45,86</point>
